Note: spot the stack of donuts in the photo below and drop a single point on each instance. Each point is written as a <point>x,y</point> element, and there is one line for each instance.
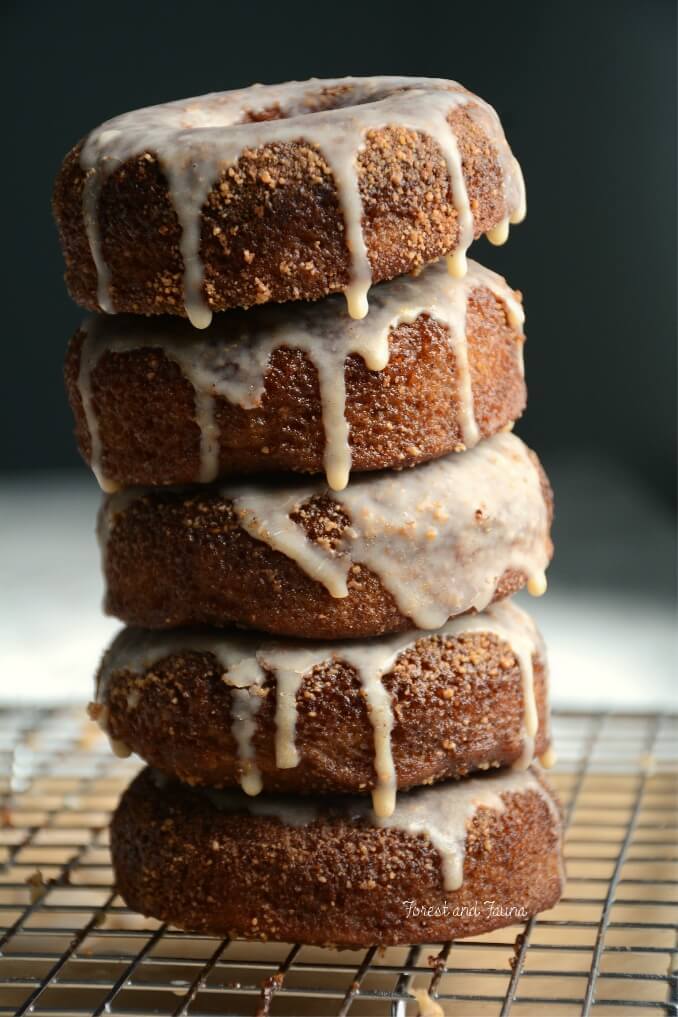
<point>298,396</point>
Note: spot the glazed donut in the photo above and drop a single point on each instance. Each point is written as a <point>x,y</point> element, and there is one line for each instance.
<point>281,192</point>
<point>214,709</point>
<point>454,860</point>
<point>392,552</point>
<point>436,366</point>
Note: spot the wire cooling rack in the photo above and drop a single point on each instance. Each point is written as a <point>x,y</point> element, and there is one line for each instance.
<point>68,945</point>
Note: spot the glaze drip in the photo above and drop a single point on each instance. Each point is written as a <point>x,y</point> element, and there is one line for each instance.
<point>232,358</point>
<point>247,662</point>
<point>428,1007</point>
<point>196,140</point>
<point>244,674</point>
<point>100,715</point>
<point>441,814</point>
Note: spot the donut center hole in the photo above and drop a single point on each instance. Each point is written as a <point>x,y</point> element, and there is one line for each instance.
<point>340,97</point>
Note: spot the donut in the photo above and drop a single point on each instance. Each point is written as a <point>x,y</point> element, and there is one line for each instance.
<point>436,366</point>
<point>392,552</point>
<point>213,709</point>
<point>281,192</point>
<point>454,860</point>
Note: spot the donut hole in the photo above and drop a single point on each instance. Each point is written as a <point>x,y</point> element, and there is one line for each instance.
<point>330,98</point>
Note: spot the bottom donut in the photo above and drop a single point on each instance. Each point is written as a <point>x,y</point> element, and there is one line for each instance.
<point>453,860</point>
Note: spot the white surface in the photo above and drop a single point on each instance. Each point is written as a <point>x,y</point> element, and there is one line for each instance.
<point>607,649</point>
<point>52,631</point>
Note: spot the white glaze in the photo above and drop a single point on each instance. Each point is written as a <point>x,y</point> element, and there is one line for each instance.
<point>230,360</point>
<point>100,716</point>
<point>549,758</point>
<point>442,814</point>
<point>428,1007</point>
<point>245,676</point>
<point>196,140</point>
<point>439,537</point>
<point>246,660</point>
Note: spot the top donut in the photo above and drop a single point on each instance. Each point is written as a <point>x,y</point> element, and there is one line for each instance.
<point>281,192</point>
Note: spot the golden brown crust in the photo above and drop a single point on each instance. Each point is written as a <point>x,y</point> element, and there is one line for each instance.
<point>457,704</point>
<point>332,882</point>
<point>400,416</point>
<point>180,558</point>
<point>272,228</point>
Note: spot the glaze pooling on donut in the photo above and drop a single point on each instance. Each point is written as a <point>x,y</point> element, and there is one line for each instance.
<point>248,661</point>
<point>195,140</point>
<point>235,367</point>
<point>442,813</point>
<point>438,537</point>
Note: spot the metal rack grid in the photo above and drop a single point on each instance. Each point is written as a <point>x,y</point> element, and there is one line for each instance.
<point>68,945</point>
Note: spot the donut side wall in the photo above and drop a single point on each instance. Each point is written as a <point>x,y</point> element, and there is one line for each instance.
<point>180,859</point>
<point>174,561</point>
<point>400,416</point>
<point>457,703</point>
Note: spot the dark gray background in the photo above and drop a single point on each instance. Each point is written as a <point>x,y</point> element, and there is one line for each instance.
<point>587,94</point>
